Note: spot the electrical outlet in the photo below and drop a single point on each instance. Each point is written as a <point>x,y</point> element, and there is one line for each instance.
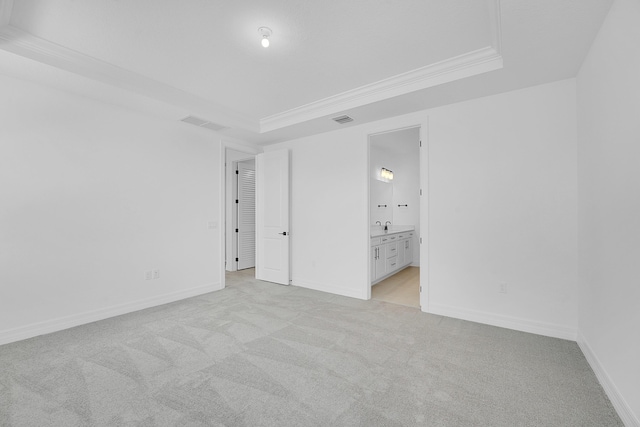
<point>156,274</point>
<point>148,275</point>
<point>503,288</point>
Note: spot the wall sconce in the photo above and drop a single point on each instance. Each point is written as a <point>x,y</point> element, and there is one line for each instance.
<point>386,174</point>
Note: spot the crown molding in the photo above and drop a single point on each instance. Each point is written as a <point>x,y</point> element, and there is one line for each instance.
<point>20,42</point>
<point>6,7</point>
<point>459,67</point>
<point>466,65</point>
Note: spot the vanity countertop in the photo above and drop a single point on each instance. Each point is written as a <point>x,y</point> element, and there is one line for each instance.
<point>377,231</point>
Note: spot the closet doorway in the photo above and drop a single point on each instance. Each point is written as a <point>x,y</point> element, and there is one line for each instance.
<point>241,211</point>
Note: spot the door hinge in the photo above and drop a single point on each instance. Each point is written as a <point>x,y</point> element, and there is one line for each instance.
<point>420,143</point>
<point>421,191</point>
<point>420,288</point>
<point>421,240</point>
<point>237,260</point>
<point>236,200</point>
<point>236,230</point>
<point>237,172</point>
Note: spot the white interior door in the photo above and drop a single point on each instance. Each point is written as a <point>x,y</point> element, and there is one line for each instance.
<point>246,228</point>
<point>272,216</point>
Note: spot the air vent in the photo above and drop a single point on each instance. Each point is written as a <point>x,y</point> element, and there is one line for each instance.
<point>342,119</point>
<point>213,126</point>
<point>197,121</point>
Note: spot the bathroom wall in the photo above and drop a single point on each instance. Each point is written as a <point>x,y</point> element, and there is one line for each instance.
<point>398,151</point>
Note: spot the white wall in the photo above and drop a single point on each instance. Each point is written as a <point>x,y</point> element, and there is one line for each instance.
<point>91,196</point>
<point>329,212</point>
<point>502,208</point>
<point>502,197</point>
<point>609,207</point>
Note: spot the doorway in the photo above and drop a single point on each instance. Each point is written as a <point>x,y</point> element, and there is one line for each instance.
<point>394,215</point>
<point>240,210</point>
<point>244,219</point>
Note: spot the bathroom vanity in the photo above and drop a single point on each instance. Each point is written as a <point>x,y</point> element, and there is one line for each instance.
<point>391,251</point>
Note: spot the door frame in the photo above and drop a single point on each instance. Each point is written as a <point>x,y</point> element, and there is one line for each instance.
<point>423,125</point>
<point>251,152</point>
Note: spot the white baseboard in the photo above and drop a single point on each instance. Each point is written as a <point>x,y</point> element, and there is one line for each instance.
<point>54,325</point>
<point>509,322</point>
<point>323,287</point>
<point>619,403</point>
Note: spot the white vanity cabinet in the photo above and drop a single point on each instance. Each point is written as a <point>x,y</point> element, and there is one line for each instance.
<point>390,253</point>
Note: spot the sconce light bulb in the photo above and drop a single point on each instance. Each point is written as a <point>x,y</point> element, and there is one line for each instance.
<point>265,41</point>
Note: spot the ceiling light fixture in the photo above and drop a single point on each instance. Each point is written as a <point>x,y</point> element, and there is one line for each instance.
<point>265,32</point>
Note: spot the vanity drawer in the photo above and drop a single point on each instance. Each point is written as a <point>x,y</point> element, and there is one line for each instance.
<point>392,264</point>
<point>392,249</point>
<point>390,238</point>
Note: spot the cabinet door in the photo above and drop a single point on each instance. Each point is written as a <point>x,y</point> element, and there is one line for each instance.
<point>408,251</point>
<point>374,256</point>
<point>380,262</point>
<point>401,253</point>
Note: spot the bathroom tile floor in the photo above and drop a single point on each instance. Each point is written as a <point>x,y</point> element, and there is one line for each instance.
<point>402,288</point>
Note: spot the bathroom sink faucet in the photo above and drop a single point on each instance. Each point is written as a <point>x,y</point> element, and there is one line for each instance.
<point>385,225</point>
<point>379,223</point>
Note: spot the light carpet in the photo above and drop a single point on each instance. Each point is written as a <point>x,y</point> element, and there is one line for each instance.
<point>260,354</point>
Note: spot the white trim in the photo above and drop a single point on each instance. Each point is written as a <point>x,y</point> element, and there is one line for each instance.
<point>222,212</point>
<point>331,289</point>
<point>509,322</point>
<point>29,46</point>
<point>495,17</point>
<point>617,400</point>
<point>6,7</point>
<point>61,323</point>
<point>456,68</point>
<point>423,242</point>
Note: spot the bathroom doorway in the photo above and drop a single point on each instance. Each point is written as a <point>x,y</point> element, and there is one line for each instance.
<point>394,215</point>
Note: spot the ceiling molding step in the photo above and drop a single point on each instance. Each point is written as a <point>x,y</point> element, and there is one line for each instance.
<point>20,42</point>
<point>456,68</point>
<point>495,17</point>
<point>6,7</point>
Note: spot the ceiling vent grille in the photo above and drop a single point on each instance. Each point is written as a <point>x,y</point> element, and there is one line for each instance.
<point>197,121</point>
<point>342,119</point>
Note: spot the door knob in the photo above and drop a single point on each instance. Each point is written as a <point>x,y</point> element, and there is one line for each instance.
<point>284,233</point>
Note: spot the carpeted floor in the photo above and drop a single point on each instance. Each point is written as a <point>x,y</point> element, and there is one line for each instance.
<point>262,354</point>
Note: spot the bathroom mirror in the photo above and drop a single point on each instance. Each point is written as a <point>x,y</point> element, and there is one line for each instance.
<point>394,192</point>
<point>381,201</point>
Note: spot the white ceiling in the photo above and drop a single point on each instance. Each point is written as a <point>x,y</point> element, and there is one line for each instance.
<point>366,58</point>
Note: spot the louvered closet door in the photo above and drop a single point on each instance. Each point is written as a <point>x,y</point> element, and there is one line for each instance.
<point>246,216</point>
